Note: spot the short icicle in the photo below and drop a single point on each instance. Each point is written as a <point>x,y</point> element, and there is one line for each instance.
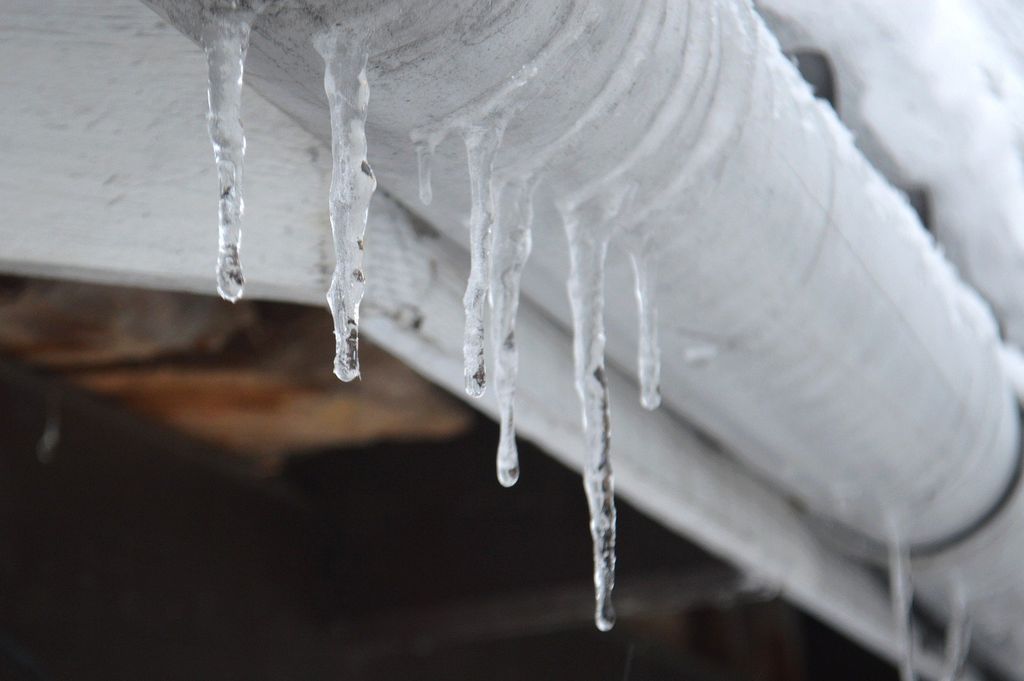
<point>586,295</point>
<point>511,241</point>
<point>482,144</point>
<point>225,38</point>
<point>649,352</point>
<point>352,186</point>
<point>424,160</point>
<point>901,594</point>
<point>958,634</point>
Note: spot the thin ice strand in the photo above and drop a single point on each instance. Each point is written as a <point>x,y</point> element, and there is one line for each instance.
<point>958,634</point>
<point>424,161</point>
<point>901,598</point>
<point>352,187</point>
<point>648,353</point>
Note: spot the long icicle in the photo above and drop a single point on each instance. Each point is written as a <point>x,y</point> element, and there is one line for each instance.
<point>586,295</point>
<point>482,144</point>
<point>512,242</point>
<point>352,187</point>
<point>649,353</point>
<point>225,39</point>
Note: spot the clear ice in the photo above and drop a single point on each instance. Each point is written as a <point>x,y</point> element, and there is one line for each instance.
<point>424,158</point>
<point>901,594</point>
<point>482,124</point>
<point>649,354</point>
<point>511,243</point>
<point>482,144</point>
<point>225,39</point>
<point>958,635</point>
<point>352,186</point>
<point>586,295</point>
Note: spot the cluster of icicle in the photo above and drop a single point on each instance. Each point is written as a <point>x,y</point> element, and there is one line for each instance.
<point>499,244</point>
<point>225,38</point>
<point>501,218</point>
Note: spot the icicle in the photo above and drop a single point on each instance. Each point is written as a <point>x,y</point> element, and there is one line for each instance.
<point>901,593</point>
<point>225,38</point>
<point>481,146</point>
<point>649,354</point>
<point>48,441</point>
<point>511,244</point>
<point>958,634</point>
<point>586,295</point>
<point>352,186</point>
<point>424,157</point>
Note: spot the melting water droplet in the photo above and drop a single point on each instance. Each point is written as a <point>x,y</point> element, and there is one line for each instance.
<point>901,594</point>
<point>958,634</point>
<point>424,158</point>
<point>482,144</point>
<point>511,243</point>
<point>649,354</point>
<point>48,441</point>
<point>352,186</point>
<point>225,39</point>
<point>586,295</point>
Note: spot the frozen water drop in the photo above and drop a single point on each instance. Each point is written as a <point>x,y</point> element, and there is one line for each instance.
<point>586,295</point>
<point>901,594</point>
<point>649,353</point>
<point>225,39</point>
<point>352,186</point>
<point>511,243</point>
<point>482,144</point>
<point>424,158</point>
